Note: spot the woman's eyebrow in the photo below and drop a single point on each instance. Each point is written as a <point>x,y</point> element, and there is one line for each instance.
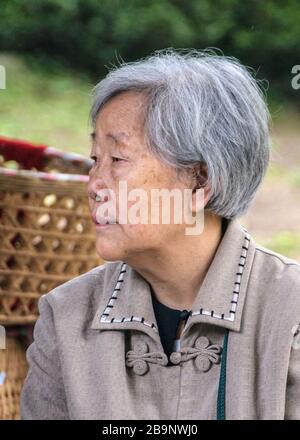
<point>119,137</point>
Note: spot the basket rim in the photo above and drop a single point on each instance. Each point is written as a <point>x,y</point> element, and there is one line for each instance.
<point>46,150</point>
<point>42,175</point>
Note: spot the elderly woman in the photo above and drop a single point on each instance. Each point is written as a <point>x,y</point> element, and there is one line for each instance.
<point>174,325</point>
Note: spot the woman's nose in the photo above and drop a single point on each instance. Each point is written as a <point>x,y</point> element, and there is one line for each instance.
<point>98,181</point>
<point>95,184</point>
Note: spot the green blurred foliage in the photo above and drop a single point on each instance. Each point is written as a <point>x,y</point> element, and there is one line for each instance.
<point>286,243</point>
<point>91,34</point>
<point>48,109</point>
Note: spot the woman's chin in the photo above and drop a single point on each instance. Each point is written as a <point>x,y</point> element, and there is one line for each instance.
<point>108,251</point>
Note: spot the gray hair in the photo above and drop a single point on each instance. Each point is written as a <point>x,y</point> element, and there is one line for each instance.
<point>201,108</point>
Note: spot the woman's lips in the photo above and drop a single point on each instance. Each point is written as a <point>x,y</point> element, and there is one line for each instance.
<point>103,225</point>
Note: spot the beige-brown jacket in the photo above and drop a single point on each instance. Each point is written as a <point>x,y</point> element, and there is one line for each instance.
<point>97,352</point>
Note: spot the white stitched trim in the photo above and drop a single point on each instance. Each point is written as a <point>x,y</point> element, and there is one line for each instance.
<point>104,318</point>
<point>235,297</point>
<point>233,307</point>
<point>237,285</point>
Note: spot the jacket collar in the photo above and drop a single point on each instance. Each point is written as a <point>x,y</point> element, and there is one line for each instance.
<point>127,303</point>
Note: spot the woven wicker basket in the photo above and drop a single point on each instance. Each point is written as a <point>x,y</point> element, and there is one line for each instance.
<point>46,234</point>
<point>13,370</point>
<point>46,238</point>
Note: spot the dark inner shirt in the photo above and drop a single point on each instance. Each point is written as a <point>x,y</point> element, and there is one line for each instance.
<point>168,319</point>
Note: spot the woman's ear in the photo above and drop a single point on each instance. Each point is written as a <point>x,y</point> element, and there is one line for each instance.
<point>201,188</point>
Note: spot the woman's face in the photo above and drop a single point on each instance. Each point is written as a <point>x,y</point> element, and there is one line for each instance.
<point>120,155</point>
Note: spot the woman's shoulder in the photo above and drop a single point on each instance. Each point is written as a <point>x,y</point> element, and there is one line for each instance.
<point>273,263</point>
<point>272,254</point>
<point>276,278</point>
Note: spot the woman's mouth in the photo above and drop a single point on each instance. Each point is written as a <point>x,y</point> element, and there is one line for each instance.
<point>103,223</point>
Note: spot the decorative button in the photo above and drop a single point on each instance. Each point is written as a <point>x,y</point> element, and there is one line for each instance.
<point>139,358</point>
<point>140,347</point>
<point>202,363</point>
<point>202,342</point>
<point>140,367</point>
<point>175,357</point>
<point>207,354</point>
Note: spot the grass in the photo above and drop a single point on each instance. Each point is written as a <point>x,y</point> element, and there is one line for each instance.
<point>285,243</point>
<point>43,108</point>
<point>294,179</point>
<point>277,173</point>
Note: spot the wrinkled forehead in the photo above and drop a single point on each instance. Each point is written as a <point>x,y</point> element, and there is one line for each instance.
<point>127,107</point>
<point>121,122</point>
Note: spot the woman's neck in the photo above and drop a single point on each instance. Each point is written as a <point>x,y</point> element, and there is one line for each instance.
<point>177,271</point>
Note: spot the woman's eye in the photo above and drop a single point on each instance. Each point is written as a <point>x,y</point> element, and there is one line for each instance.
<point>114,159</point>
